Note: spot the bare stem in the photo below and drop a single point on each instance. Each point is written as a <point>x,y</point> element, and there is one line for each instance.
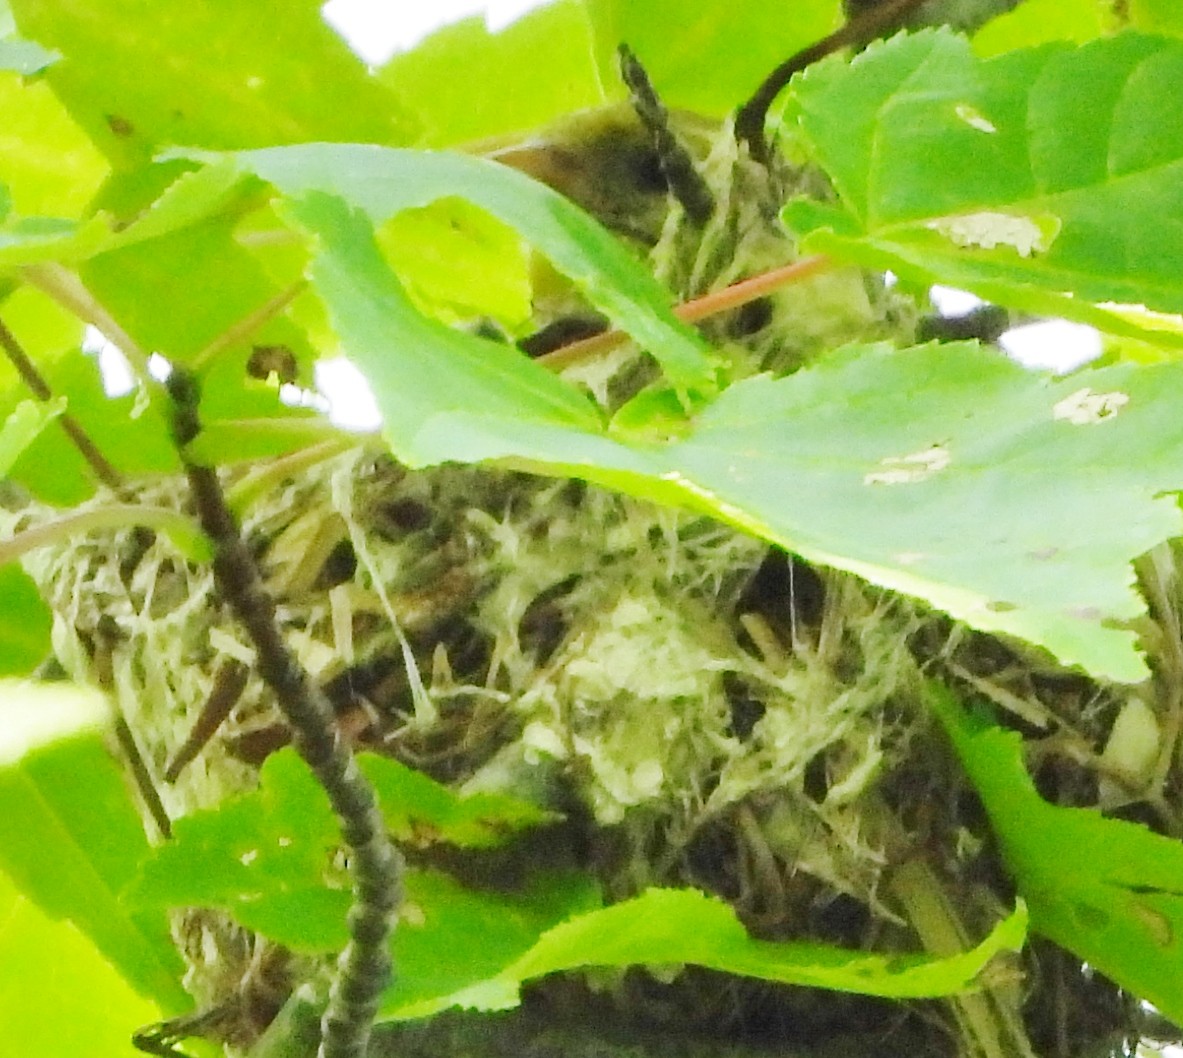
<point>365,967</point>
<point>69,291</point>
<point>750,119</point>
<point>32,378</point>
<point>250,323</point>
<point>711,304</point>
<point>178,527</point>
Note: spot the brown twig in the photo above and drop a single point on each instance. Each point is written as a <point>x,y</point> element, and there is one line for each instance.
<point>365,967</point>
<point>239,331</point>
<point>750,119</point>
<point>229,683</point>
<point>732,297</point>
<point>32,378</point>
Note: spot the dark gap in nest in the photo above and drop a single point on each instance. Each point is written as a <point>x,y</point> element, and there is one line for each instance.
<point>744,706</point>
<point>750,319</point>
<point>543,625</point>
<point>786,592</point>
<point>338,568</point>
<point>815,780</point>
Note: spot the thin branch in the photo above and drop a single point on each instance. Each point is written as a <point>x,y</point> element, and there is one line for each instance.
<point>732,297</point>
<point>69,291</point>
<point>32,378</point>
<point>365,967</point>
<point>750,119</point>
<point>241,330</point>
<point>179,528</point>
<point>229,683</point>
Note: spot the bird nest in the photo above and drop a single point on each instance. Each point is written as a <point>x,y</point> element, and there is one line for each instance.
<point>703,710</point>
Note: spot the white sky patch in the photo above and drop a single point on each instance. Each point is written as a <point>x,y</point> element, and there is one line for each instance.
<point>351,401</point>
<point>907,470</point>
<point>949,301</point>
<point>375,31</point>
<point>118,379</point>
<point>1052,345</point>
<point>988,229</point>
<point>975,118</point>
<point>1084,407</point>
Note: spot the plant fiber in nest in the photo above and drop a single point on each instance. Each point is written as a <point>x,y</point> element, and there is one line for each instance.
<point>704,711</point>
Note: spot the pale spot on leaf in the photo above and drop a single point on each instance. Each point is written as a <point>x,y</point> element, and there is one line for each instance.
<point>1084,407</point>
<point>906,470</point>
<point>988,230</point>
<point>975,118</point>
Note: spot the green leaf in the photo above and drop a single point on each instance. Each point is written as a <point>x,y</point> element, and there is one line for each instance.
<point>381,181</point>
<point>450,939</point>
<point>702,55</point>
<point>24,56</point>
<point>215,74</point>
<point>1038,21</point>
<point>58,996</point>
<point>24,632</point>
<point>22,427</point>
<point>1157,16</point>
<point>672,926</point>
<point>69,836</point>
<point>923,488</point>
<point>135,440</point>
<point>459,263</point>
<point>516,92</point>
<point>269,856</point>
<point>1110,892</point>
<point>50,166</point>
<point>1001,176</point>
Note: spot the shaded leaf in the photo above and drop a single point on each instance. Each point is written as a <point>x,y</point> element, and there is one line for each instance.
<point>671,926</point>
<point>420,810</point>
<point>134,440</point>
<point>270,857</point>
<point>70,838</point>
<point>1108,891</point>
<point>1001,176</point>
<point>449,937</point>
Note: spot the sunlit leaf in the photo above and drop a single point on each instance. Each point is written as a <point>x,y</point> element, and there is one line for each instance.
<point>22,426</point>
<point>58,996</point>
<point>718,54</point>
<point>1038,21</point>
<point>50,166</point>
<point>1002,176</point>
<point>380,182</point>
<point>70,838</point>
<point>519,92</point>
<point>24,630</point>
<point>215,74</point>
<point>1107,890</point>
